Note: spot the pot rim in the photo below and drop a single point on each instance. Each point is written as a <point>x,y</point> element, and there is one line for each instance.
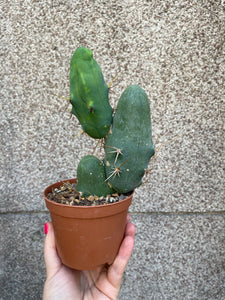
<point>83,211</point>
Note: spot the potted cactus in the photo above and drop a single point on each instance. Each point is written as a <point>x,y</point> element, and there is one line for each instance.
<point>88,236</point>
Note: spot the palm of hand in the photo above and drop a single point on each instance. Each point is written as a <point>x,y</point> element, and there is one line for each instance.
<point>73,284</point>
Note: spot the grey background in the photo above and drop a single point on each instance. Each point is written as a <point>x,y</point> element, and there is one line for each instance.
<point>175,51</point>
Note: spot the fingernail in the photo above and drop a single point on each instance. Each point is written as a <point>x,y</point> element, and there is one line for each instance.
<point>46,228</point>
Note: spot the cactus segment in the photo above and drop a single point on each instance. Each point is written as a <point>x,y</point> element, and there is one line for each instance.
<point>89,94</point>
<point>91,179</point>
<point>128,146</point>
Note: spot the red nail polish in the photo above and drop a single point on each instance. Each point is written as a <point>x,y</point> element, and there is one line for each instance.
<point>46,228</point>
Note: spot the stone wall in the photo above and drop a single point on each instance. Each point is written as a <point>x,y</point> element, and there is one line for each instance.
<point>175,51</point>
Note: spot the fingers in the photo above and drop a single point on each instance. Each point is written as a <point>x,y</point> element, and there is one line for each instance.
<point>128,219</point>
<point>116,270</point>
<point>52,260</point>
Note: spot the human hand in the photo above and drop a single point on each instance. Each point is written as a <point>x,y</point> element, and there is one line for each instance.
<point>101,283</point>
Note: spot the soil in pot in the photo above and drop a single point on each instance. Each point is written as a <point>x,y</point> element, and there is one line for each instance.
<point>67,194</point>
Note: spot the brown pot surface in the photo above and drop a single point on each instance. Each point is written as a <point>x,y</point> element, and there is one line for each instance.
<point>87,236</point>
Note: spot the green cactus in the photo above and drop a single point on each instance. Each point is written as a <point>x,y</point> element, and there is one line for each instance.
<point>91,178</point>
<point>128,146</point>
<point>89,94</point>
<point>128,143</point>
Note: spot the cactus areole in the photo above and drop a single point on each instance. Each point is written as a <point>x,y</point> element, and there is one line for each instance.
<point>127,135</point>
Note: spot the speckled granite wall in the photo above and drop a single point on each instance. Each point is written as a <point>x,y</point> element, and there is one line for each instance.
<point>175,51</point>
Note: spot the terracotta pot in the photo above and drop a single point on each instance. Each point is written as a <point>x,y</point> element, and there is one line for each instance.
<point>87,236</point>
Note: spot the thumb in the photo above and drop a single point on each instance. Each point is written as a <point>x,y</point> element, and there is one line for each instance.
<point>52,260</point>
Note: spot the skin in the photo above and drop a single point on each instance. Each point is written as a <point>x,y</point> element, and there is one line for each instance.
<point>102,283</point>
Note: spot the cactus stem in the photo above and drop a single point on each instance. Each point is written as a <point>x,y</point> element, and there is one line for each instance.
<point>91,108</point>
